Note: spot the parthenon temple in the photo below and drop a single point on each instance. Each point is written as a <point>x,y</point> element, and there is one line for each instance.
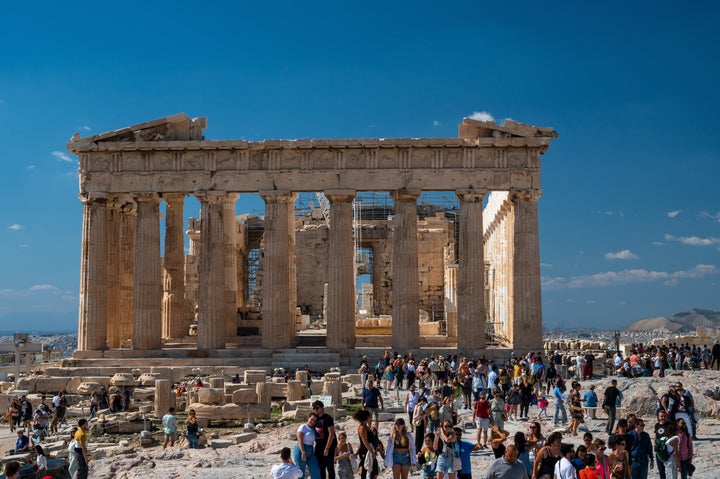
<point>350,250</point>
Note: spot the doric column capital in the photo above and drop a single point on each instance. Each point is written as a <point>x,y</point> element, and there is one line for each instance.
<point>231,197</point>
<point>214,197</point>
<point>145,197</point>
<point>525,195</point>
<point>174,198</point>
<point>93,197</point>
<point>405,195</point>
<point>277,196</point>
<point>340,196</point>
<point>470,195</point>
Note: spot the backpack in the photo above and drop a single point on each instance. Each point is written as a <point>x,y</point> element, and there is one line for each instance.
<point>661,451</point>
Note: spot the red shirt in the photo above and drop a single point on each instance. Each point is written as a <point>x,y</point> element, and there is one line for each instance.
<point>589,473</point>
<point>482,409</point>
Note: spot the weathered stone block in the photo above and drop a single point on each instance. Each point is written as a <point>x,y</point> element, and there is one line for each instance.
<point>211,396</point>
<point>244,396</point>
<point>220,443</point>
<point>254,376</point>
<point>122,380</point>
<point>244,437</point>
<point>148,379</point>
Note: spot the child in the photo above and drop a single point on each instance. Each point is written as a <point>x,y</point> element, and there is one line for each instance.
<point>343,454</point>
<point>590,472</point>
<point>542,403</point>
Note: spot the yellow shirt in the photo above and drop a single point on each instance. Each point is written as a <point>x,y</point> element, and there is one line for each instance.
<point>81,437</point>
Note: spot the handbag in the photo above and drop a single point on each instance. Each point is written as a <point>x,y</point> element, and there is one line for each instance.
<point>368,462</point>
<point>418,421</point>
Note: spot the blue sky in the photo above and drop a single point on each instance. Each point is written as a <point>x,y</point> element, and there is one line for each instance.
<point>629,217</point>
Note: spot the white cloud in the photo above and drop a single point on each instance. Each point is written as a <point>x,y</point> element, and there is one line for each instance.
<point>657,243</point>
<point>436,123</point>
<point>481,116</point>
<point>628,276</point>
<point>85,127</point>
<point>30,167</point>
<point>42,287</point>
<point>613,213</point>
<point>673,214</point>
<point>624,254</point>
<point>693,240</point>
<point>15,227</point>
<point>714,217</point>
<point>62,156</point>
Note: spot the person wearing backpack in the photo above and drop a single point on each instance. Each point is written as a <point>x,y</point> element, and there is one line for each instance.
<point>671,458</point>
<point>641,454</point>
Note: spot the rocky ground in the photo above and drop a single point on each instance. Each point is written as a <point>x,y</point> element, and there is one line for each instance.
<point>253,459</point>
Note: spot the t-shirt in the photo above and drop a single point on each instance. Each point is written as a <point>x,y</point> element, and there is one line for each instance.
<point>501,469</point>
<point>22,441</point>
<point>483,409</point>
<point>285,471</point>
<point>81,438</point>
<point>611,395</point>
<point>465,450</point>
<point>322,430</point>
<point>308,434</point>
<point>370,397</point>
<point>169,423</point>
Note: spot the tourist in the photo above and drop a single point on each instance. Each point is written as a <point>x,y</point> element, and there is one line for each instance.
<point>411,401</point>
<point>591,401</point>
<point>400,452</point>
<point>535,439</point>
<point>715,356</point>
<point>466,448</point>
<point>369,445</point>
<point>81,454</point>
<point>564,468</point>
<point>612,393</point>
<point>419,420</point>
<point>685,445</point>
<point>497,409</point>
<point>373,401</point>
<point>542,404</point>
<point>193,430</point>
<point>513,400</point>
<point>524,450</point>
<point>169,422</point>
<point>40,466</point>
<point>94,402</point>
<point>344,457</point>
<point>304,453</point>
<point>410,372</point>
<point>669,402</point>
<point>641,453</point>
<point>547,457</point>
<point>589,472</point>
<point>432,412</point>
<point>577,415</point>
<point>286,469</point>
<point>497,440</point>
<point>588,365</point>
<point>446,446</point>
<point>578,461</point>
<point>588,442</point>
<point>602,465</point>
<point>479,383</point>
<point>12,470</point>
<point>507,466</point>
<point>22,444</point>
<point>126,398</point>
<point>427,457</point>
<point>672,444</point>
<point>446,410</point>
<point>559,400</point>
<point>481,418</point>
<point>72,460</point>
<point>685,409</point>
<point>526,392</point>
<point>325,441</point>
<point>619,460</point>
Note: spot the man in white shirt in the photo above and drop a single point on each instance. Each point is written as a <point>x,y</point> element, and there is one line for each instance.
<point>286,469</point>
<point>564,468</point>
<point>492,381</point>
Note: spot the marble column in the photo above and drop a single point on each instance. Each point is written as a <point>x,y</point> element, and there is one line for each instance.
<point>147,325</point>
<point>406,291</point>
<point>174,317</point>
<point>92,317</point>
<point>229,246</point>
<point>279,287</point>
<point>471,319</point>
<point>527,305</point>
<point>211,274</point>
<point>340,317</point>
<point>113,272</point>
<point>128,226</point>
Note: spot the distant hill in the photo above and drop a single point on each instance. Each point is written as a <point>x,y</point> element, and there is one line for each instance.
<point>684,322</point>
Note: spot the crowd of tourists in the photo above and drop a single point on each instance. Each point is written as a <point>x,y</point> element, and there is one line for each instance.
<point>435,391</point>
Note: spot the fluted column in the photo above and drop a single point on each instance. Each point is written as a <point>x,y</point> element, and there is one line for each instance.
<point>211,273</point>
<point>92,317</point>
<point>174,317</point>
<point>128,227</point>
<point>229,245</point>
<point>527,305</point>
<point>147,324</point>
<point>471,273</point>
<point>113,272</point>
<point>340,317</point>
<point>406,292</point>
<point>279,288</point>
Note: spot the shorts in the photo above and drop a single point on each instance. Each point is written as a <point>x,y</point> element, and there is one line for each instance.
<point>444,464</point>
<point>482,423</point>
<point>401,458</point>
<point>170,436</point>
<point>374,412</point>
